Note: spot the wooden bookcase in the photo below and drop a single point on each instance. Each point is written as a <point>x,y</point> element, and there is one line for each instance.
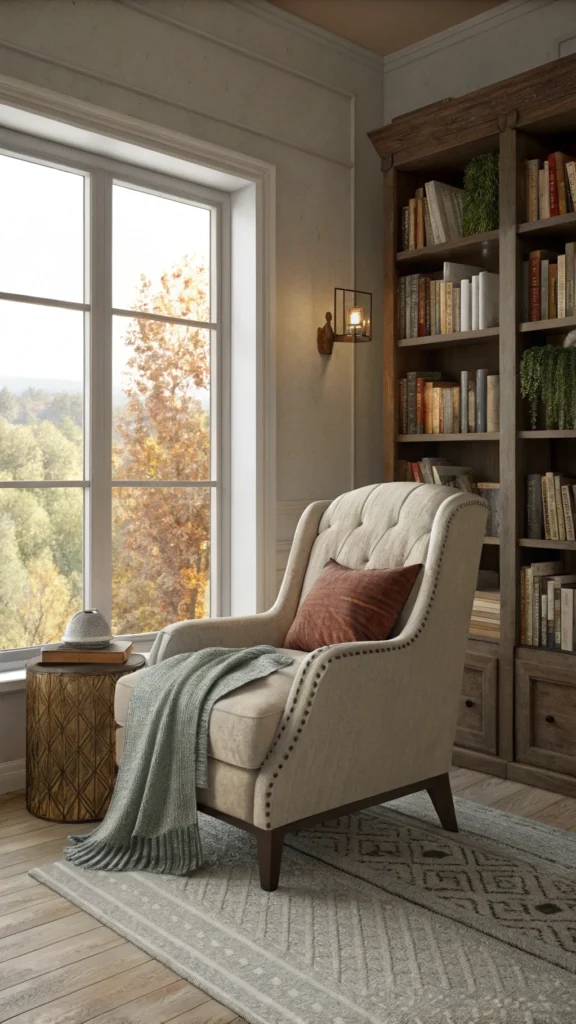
<point>518,715</point>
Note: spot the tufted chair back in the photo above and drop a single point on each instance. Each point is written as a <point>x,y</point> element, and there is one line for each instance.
<point>382,526</point>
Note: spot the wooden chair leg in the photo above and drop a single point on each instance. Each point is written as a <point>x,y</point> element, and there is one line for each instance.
<point>269,858</point>
<point>440,793</point>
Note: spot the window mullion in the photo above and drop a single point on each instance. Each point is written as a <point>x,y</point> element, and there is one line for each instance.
<point>99,390</point>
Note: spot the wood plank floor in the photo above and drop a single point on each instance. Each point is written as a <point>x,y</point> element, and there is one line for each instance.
<point>58,965</point>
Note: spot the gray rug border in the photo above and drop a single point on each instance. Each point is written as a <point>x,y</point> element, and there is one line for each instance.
<point>199,981</point>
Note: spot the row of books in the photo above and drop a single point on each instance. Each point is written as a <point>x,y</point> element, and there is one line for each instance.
<point>442,472</point>
<point>547,607</point>
<point>549,284</point>
<point>550,507</point>
<point>550,187</point>
<point>433,216</point>
<point>430,405</point>
<point>485,618</point>
<point>460,297</point>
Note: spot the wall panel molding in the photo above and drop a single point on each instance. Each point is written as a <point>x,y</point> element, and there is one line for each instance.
<point>152,12</point>
<point>170,102</point>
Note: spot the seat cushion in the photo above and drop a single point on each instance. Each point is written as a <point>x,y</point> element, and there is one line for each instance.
<point>243,724</point>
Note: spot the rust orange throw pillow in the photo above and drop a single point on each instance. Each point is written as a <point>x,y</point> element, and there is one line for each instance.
<point>350,605</point>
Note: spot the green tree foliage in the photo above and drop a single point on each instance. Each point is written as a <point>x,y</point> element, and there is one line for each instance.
<point>161,536</point>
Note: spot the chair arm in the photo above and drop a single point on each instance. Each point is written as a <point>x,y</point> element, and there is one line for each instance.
<point>196,634</point>
<point>361,719</point>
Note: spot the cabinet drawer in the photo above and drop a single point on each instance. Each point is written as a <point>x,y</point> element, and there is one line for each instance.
<point>478,704</point>
<point>546,714</point>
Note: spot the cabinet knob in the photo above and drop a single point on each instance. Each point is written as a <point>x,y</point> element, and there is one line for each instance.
<point>469,703</point>
<point>550,718</point>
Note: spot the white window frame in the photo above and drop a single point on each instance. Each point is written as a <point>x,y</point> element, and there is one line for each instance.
<point>97,483</point>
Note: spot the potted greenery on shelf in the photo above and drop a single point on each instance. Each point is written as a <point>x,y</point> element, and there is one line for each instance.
<point>548,376</point>
<point>480,211</point>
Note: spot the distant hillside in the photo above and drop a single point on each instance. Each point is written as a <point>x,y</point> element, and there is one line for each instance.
<point>53,386</point>
<point>19,384</point>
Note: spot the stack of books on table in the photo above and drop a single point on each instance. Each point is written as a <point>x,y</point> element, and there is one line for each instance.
<point>550,187</point>
<point>433,216</point>
<point>547,607</point>
<point>430,405</point>
<point>549,284</point>
<point>550,507</point>
<point>459,298</point>
<point>115,653</point>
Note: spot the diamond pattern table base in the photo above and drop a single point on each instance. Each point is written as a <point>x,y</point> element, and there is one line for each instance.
<point>70,731</point>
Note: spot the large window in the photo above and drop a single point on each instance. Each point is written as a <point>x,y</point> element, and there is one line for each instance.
<point>111,388</point>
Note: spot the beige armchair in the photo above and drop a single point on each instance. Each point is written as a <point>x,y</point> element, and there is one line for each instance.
<point>354,724</point>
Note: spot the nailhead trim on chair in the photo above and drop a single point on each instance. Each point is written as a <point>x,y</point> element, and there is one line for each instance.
<point>348,654</point>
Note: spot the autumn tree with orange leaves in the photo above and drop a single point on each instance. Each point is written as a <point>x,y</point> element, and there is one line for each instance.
<point>161,536</point>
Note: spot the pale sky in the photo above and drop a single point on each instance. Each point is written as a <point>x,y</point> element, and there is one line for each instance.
<point>41,253</point>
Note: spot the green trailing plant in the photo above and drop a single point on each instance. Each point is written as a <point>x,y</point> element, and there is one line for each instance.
<point>530,380</point>
<point>481,179</point>
<point>548,376</point>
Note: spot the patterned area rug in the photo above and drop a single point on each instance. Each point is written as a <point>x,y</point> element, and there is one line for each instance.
<point>380,918</point>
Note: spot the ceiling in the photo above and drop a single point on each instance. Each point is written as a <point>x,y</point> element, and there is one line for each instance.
<point>385,26</point>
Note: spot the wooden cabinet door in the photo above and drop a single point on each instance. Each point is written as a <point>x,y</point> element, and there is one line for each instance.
<point>477,721</point>
<point>546,712</point>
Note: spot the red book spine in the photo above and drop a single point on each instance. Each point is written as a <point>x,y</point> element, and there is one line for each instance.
<point>420,384</point>
<point>421,307</point>
<point>416,473</point>
<point>554,205</point>
<point>535,287</point>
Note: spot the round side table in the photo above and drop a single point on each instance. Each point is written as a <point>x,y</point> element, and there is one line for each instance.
<point>70,730</point>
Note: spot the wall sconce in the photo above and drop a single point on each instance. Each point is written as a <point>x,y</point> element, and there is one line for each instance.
<point>352,320</point>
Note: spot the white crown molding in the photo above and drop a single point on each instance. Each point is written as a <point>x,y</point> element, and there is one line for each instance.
<point>12,776</point>
<point>465,30</point>
<point>151,12</point>
<point>170,102</point>
<point>321,36</point>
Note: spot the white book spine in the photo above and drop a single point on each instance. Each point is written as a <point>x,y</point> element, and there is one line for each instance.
<point>475,301</point>
<point>488,299</point>
<point>466,305</point>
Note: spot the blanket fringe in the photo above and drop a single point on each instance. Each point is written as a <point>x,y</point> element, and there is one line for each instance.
<point>176,852</point>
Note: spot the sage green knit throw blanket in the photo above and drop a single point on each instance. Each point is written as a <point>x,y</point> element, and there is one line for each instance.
<point>152,821</point>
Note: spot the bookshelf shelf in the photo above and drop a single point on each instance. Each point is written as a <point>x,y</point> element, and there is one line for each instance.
<point>564,226</point>
<point>566,323</point>
<point>412,438</point>
<point>445,340</point>
<point>437,144</point>
<point>546,435</point>
<point>474,247</point>
<point>557,545</point>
